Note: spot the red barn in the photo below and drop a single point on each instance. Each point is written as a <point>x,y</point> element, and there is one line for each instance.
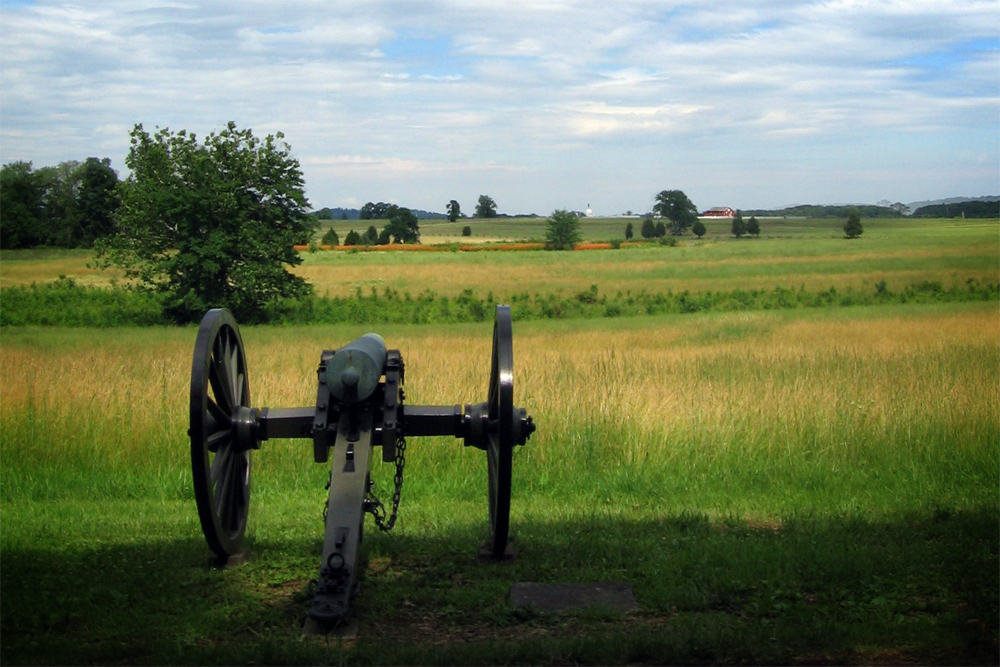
<point>719,212</point>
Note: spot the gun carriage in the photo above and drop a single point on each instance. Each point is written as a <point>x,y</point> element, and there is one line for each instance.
<point>359,406</point>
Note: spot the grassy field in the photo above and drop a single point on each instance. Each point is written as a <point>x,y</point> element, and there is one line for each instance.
<point>776,487</point>
<point>792,254</point>
<point>817,486</point>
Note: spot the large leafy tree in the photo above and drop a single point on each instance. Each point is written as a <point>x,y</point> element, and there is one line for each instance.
<point>486,207</point>
<point>675,206</point>
<point>562,230</point>
<point>211,224</point>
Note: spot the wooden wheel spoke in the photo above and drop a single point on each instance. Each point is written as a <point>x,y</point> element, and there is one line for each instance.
<point>232,374</point>
<point>220,419</point>
<point>220,463</point>
<point>220,387</point>
<point>217,439</point>
<point>239,389</point>
<point>222,488</point>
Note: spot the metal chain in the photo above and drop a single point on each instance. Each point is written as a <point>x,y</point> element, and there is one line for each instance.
<point>373,505</point>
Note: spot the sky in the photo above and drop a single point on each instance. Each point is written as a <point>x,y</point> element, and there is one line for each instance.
<point>540,104</point>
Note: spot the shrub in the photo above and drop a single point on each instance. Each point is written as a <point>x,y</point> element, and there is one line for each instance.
<point>467,231</point>
<point>853,228</point>
<point>562,230</point>
<point>331,238</point>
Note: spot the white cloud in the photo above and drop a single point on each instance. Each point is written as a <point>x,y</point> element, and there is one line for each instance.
<point>486,92</point>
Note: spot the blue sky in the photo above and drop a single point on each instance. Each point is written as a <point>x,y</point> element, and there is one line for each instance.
<point>542,104</point>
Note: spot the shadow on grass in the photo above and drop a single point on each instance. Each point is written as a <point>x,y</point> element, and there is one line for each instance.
<point>920,588</point>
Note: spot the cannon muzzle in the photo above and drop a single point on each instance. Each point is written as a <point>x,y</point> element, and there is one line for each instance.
<point>354,372</point>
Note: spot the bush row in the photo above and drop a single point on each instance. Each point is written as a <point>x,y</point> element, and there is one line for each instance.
<point>64,303</point>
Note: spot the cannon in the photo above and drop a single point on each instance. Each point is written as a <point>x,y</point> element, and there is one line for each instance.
<point>359,406</point>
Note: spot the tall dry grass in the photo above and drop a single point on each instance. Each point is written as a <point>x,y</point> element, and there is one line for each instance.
<point>775,411</point>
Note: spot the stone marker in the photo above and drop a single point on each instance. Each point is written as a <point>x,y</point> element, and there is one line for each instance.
<point>571,597</point>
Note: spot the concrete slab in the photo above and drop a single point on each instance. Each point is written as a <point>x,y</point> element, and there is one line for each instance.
<point>573,597</point>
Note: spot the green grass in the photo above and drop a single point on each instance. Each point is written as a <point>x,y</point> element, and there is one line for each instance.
<point>786,486</point>
<point>802,252</point>
<point>790,253</point>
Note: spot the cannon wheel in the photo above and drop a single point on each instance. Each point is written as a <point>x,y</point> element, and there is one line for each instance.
<point>220,468</point>
<point>500,447</point>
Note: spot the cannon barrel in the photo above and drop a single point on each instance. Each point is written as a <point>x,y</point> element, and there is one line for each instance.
<point>354,372</point>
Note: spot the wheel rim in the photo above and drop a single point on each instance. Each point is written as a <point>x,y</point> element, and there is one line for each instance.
<point>500,447</point>
<point>220,467</point>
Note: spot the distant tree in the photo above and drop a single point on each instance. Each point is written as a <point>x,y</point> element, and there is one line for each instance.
<point>562,230</point>
<point>853,228</point>
<point>372,211</point>
<point>901,208</point>
<point>323,214</point>
<point>629,233</point>
<point>343,215</point>
<point>212,224</point>
<point>404,226</point>
<point>676,207</point>
<point>369,236</point>
<point>739,226</point>
<point>454,211</point>
<point>467,231</point>
<point>97,200</point>
<point>330,238</point>
<point>661,229</point>
<point>698,228</point>
<point>22,196</point>
<point>61,219</point>
<point>385,236</point>
<point>486,208</point>
<point>753,227</point>
<point>352,238</point>
<point>648,229</point>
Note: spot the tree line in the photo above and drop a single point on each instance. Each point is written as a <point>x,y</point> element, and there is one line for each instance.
<point>213,223</point>
<point>965,209</point>
<point>67,206</point>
